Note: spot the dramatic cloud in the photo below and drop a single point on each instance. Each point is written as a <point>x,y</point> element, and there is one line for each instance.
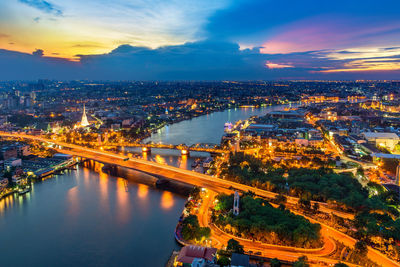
<point>110,23</point>
<point>206,60</point>
<point>271,65</point>
<point>43,6</point>
<point>192,61</point>
<point>323,32</point>
<point>365,59</point>
<point>23,66</point>
<point>38,53</point>
<point>167,39</point>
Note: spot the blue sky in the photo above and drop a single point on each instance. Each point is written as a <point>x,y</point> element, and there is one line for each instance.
<point>201,40</point>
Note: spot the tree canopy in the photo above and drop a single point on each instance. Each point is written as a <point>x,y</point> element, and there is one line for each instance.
<point>191,229</point>
<point>234,246</point>
<point>260,221</point>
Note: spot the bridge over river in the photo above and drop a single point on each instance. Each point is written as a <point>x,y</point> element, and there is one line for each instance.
<point>212,183</point>
<point>202,147</point>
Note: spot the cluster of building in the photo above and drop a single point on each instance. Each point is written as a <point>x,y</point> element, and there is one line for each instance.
<point>198,256</point>
<point>280,128</point>
<point>16,100</point>
<point>358,131</point>
<point>18,166</point>
<point>128,106</point>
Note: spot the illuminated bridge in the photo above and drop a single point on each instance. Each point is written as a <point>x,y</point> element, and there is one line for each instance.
<point>212,183</point>
<point>202,147</point>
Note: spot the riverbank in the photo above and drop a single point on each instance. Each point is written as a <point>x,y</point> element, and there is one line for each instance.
<point>112,213</point>
<point>22,184</point>
<point>8,192</point>
<point>86,217</point>
<point>206,129</point>
<point>197,116</point>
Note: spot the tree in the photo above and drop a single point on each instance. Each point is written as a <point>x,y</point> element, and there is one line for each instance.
<point>275,263</point>
<point>259,220</point>
<point>360,171</point>
<point>301,262</point>
<point>341,264</point>
<point>191,229</point>
<point>234,246</point>
<point>305,204</point>
<point>361,248</point>
<point>225,202</point>
<point>203,232</point>
<point>280,199</point>
<point>223,261</point>
<point>195,193</point>
<point>189,206</point>
<point>316,207</point>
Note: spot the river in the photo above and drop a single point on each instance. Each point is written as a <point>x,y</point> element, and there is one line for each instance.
<point>85,217</point>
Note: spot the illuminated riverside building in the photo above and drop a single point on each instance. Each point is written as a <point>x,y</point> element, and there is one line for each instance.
<point>319,99</point>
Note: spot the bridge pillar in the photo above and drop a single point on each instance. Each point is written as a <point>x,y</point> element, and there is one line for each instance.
<point>146,150</point>
<point>184,152</point>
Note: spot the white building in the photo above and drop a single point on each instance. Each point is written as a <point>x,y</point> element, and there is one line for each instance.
<point>387,140</point>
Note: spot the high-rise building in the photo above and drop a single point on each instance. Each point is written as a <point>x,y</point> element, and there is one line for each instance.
<point>33,95</point>
<point>398,175</point>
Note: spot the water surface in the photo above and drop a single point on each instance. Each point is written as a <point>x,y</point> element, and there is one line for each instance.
<point>88,218</point>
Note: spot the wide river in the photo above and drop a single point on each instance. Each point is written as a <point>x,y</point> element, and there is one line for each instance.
<point>85,217</point>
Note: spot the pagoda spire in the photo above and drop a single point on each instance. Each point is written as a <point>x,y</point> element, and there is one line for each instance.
<point>84,121</point>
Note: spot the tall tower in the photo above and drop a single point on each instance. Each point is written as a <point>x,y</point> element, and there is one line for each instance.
<point>84,121</point>
<point>236,204</point>
<point>398,175</point>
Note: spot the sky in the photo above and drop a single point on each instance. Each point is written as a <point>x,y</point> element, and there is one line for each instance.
<point>199,40</point>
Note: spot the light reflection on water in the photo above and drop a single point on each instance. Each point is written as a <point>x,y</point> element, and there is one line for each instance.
<point>183,162</point>
<point>159,159</point>
<point>167,200</point>
<point>103,186</point>
<point>143,191</point>
<point>73,200</point>
<point>89,218</point>
<point>123,207</point>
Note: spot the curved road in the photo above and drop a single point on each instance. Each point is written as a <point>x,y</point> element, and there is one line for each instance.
<point>167,171</point>
<point>202,180</point>
<point>220,239</point>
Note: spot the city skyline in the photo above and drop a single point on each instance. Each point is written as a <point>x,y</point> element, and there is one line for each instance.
<point>175,133</point>
<point>208,40</point>
<point>234,170</point>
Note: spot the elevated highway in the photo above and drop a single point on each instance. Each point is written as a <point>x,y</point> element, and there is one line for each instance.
<point>202,180</point>
<point>167,171</point>
<point>211,148</point>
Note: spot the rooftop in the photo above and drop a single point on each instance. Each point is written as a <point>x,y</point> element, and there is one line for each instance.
<point>189,253</point>
<point>370,135</point>
<point>240,260</point>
